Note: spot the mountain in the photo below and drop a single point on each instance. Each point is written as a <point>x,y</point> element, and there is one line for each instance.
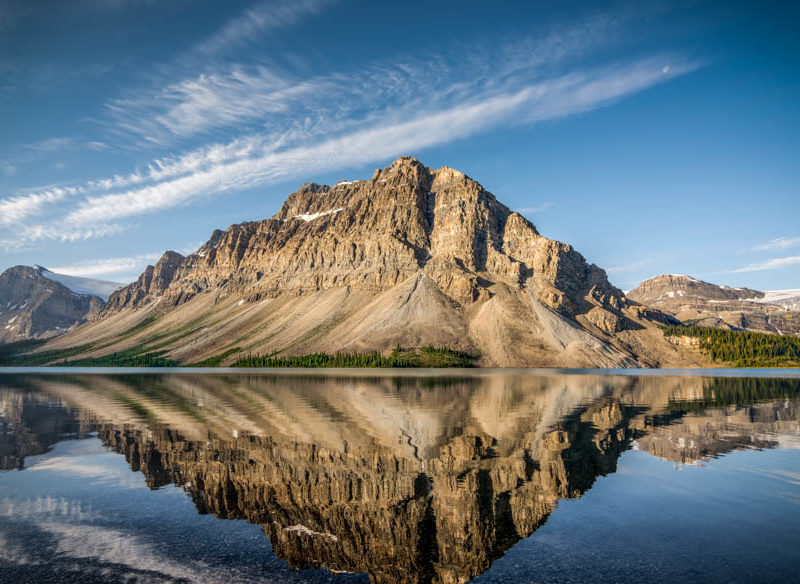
<point>411,257</point>
<point>34,306</point>
<point>696,302</point>
<point>100,288</point>
<point>789,299</point>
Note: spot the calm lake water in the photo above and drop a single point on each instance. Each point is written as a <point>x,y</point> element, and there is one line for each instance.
<point>399,477</point>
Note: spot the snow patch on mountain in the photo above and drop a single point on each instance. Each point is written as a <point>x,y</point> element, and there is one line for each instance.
<point>79,285</point>
<point>787,298</point>
<point>311,216</point>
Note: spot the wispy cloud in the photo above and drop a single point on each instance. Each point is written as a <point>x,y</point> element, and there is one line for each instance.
<point>301,126</point>
<point>540,208</point>
<point>263,160</point>
<point>773,264</point>
<point>223,95</point>
<point>27,154</point>
<point>49,145</point>
<point>779,243</point>
<point>15,209</point>
<point>260,19</point>
<point>628,267</point>
<point>210,101</point>
<point>107,266</point>
<point>201,90</point>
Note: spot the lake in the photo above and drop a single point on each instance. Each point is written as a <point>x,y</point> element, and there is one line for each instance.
<point>397,476</point>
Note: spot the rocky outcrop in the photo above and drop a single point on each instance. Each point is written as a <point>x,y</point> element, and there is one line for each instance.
<point>149,287</point>
<point>412,256</point>
<point>696,302</point>
<point>376,234</point>
<point>33,306</point>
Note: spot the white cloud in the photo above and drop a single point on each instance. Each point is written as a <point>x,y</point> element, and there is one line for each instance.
<point>43,507</point>
<point>779,243</point>
<point>325,123</point>
<point>257,162</point>
<point>628,267</point>
<point>14,209</point>
<point>7,168</point>
<point>50,145</point>
<point>212,100</point>
<point>57,231</point>
<point>773,264</point>
<point>108,266</point>
<point>540,208</point>
<point>90,468</point>
<point>259,19</point>
<point>222,96</point>
<point>96,145</point>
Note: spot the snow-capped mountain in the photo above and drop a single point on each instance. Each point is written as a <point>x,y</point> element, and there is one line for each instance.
<point>703,303</point>
<point>79,285</point>
<point>787,298</point>
<point>33,306</point>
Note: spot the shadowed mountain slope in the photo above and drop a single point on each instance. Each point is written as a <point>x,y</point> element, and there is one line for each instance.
<point>33,306</point>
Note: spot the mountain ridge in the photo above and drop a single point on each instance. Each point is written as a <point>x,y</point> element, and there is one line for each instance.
<point>33,306</point>
<point>711,305</point>
<point>412,256</point>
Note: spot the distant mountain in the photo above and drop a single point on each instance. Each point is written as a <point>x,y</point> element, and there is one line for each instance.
<point>696,302</point>
<point>411,257</point>
<point>100,288</point>
<point>34,306</point>
<point>787,298</point>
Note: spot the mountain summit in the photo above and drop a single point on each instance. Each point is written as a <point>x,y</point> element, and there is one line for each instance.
<point>412,257</point>
<point>35,305</point>
<point>704,304</point>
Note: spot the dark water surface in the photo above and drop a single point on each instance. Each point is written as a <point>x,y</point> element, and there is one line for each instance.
<point>399,477</point>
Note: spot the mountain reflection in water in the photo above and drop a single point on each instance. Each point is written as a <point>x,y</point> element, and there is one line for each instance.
<point>405,478</point>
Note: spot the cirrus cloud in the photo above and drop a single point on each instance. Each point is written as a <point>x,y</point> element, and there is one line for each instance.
<point>264,160</point>
<point>772,264</point>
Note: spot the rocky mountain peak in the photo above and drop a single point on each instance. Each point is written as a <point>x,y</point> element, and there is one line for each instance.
<point>33,306</point>
<point>412,256</point>
<point>150,285</point>
<point>704,304</point>
<point>677,286</point>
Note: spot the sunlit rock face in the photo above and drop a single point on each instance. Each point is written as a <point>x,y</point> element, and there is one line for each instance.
<point>710,305</point>
<point>413,256</point>
<point>409,479</point>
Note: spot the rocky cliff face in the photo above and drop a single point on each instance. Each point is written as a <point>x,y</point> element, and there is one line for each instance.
<point>407,221</point>
<point>150,285</point>
<point>696,302</point>
<point>34,307</point>
<point>678,287</point>
<point>412,256</point>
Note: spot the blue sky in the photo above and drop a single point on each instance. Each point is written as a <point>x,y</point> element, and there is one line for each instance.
<point>654,137</point>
